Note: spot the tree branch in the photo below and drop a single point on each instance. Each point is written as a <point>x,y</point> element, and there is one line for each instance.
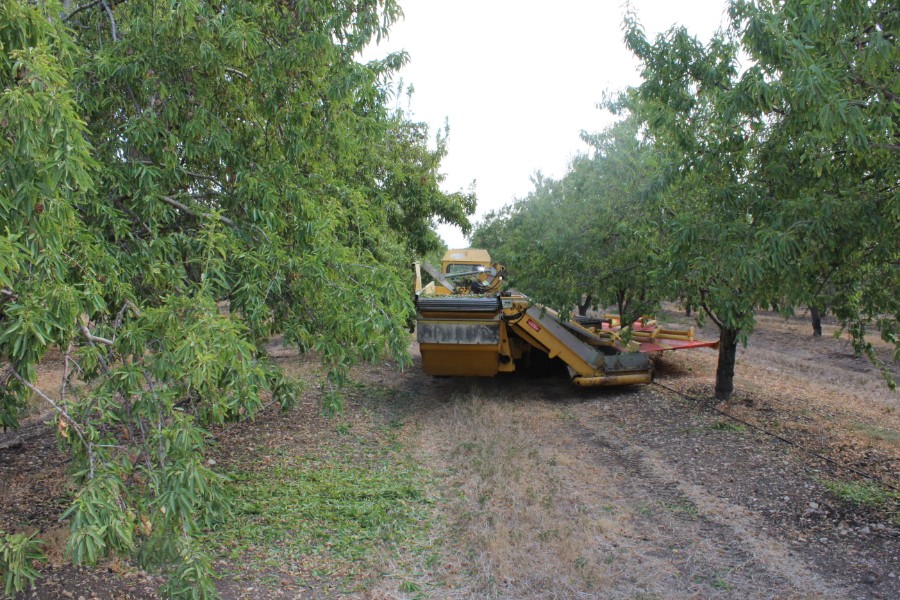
<point>81,8</point>
<point>708,312</point>
<point>112,21</point>
<point>65,377</point>
<point>93,341</point>
<point>236,72</point>
<point>201,176</point>
<point>173,202</point>
<point>63,413</point>
<point>93,338</point>
<point>88,5</point>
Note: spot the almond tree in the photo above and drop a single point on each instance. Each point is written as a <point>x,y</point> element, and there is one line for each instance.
<point>724,247</point>
<point>784,170</point>
<point>179,181</point>
<point>826,76</point>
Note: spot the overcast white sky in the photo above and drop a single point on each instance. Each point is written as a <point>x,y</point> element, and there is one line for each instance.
<point>519,79</point>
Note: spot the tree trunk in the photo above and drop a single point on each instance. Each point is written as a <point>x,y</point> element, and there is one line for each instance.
<point>687,307</point>
<point>583,308</point>
<point>622,303</point>
<point>725,369</point>
<point>816,321</point>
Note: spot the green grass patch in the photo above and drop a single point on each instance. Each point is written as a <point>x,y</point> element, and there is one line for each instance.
<point>685,508</point>
<point>728,426</point>
<point>321,507</point>
<point>868,495</point>
<point>342,516</point>
<point>715,580</point>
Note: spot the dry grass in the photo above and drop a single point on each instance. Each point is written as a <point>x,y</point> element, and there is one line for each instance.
<point>54,547</point>
<point>546,500</point>
<point>888,436</point>
<point>521,533</point>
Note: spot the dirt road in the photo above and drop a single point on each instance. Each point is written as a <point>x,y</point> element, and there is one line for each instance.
<point>625,494</point>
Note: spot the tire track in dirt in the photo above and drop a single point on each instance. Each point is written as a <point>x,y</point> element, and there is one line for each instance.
<point>759,488</point>
<point>540,494</point>
<point>704,537</point>
<point>621,467</point>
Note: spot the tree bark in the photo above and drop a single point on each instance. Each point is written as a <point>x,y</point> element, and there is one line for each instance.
<point>622,302</point>
<point>725,369</point>
<point>583,308</point>
<point>816,321</point>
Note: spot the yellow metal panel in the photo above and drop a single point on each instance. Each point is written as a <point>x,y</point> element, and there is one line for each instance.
<point>458,316</point>
<point>608,380</point>
<point>467,255</point>
<point>460,359</point>
<point>507,352</point>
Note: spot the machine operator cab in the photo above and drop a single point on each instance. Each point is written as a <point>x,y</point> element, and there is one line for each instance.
<point>467,270</point>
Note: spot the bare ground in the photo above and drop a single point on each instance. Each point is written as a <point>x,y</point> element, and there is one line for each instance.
<point>542,490</point>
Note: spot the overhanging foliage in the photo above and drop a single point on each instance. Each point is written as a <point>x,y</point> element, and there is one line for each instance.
<point>179,182</point>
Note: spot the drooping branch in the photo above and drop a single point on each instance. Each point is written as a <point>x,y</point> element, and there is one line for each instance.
<point>63,413</point>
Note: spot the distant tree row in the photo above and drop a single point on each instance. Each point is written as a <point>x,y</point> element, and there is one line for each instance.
<point>763,165</point>
<point>180,181</point>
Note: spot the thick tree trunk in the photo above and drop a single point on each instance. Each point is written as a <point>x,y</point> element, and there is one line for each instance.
<point>583,308</point>
<point>816,321</point>
<point>725,370</point>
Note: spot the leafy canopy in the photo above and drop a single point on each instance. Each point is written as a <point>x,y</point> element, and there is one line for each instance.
<point>180,181</point>
<point>588,238</point>
<point>758,168</point>
<point>784,183</point>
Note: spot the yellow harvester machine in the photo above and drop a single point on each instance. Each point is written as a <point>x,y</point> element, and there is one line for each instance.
<point>468,325</point>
